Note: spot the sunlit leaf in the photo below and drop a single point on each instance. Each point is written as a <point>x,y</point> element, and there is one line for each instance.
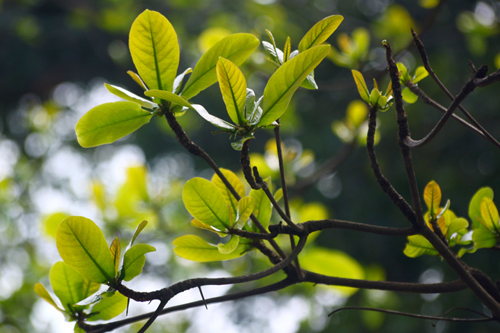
<point>483,238</point>
<point>417,245</point>
<point>109,122</point>
<point>116,252</point>
<point>230,246</point>
<point>456,226</point>
<point>275,54</point>
<point>155,50</point>
<point>82,246</point>
<point>332,263</point>
<point>43,293</point>
<point>198,224</point>
<point>287,49</point>
<point>213,119</point>
<point>51,223</point>
<point>197,249</point>
<point>233,87</point>
<point>320,32</point>
<point>140,227</point>
<point>409,96</point>
<point>129,96</point>
<point>134,260</point>
<point>109,307</point>
<point>263,208</point>
<point>237,185</point>
<point>137,79</point>
<point>420,73</point>
<point>475,205</point>
<point>489,214</point>
<point>206,203</point>
<point>361,85</point>
<point>245,209</point>
<point>238,145</point>
<point>236,47</point>
<point>285,81</point>
<point>432,197</point>
<point>179,79</point>
<point>309,82</point>
<point>168,96</point>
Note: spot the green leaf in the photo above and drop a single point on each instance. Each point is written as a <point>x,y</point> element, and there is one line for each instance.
<point>140,227</point>
<point>456,226</point>
<point>332,263</point>
<point>116,252</point>
<point>155,50</point>
<point>134,260</point>
<point>109,122</point>
<point>198,224</point>
<point>137,79</point>
<point>69,286</point>
<point>417,245</point>
<point>238,145</point>
<point>179,79</point>
<point>51,223</point>
<point>309,82</point>
<point>205,202</point>
<point>432,197</point>
<point>489,214</point>
<point>129,96</point>
<point>361,85</point>
<point>420,73</point>
<point>475,205</point>
<point>168,96</point>
<point>285,81</point>
<point>263,208</point>
<point>409,96</point>
<point>197,249</point>
<point>287,49</point>
<point>43,293</point>
<point>236,47</point>
<point>213,119</point>
<point>109,307</point>
<point>483,238</point>
<point>230,246</point>
<point>374,96</point>
<point>320,32</point>
<point>233,87</point>
<point>275,54</point>
<point>404,75</point>
<point>237,185</point>
<point>245,209</point>
<point>82,246</point>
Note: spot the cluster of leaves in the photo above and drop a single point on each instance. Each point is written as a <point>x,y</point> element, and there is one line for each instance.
<point>88,263</point>
<point>485,224</point>
<point>375,98</point>
<point>405,78</point>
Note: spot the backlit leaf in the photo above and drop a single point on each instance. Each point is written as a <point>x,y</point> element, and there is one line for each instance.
<point>236,47</point>
<point>245,209</point>
<point>263,208</point>
<point>320,32</point>
<point>137,79</point>
<point>489,214</point>
<point>155,50</point>
<point>51,223</point>
<point>109,307</point>
<point>43,293</point>
<point>82,246</point>
<point>140,227</point>
<point>168,96</point>
<point>287,49</point>
<point>205,202</point>
<point>233,87</point>
<point>116,252</point>
<point>285,81</point>
<point>179,79</point>
<point>455,226</point>
<point>409,96</point>
<point>134,260</point>
<point>230,246</point>
<point>197,249</point>
<point>475,205</point>
<point>417,245</point>
<point>483,238</point>
<point>109,122</point>
<point>420,73</point>
<point>129,96</point>
<point>237,185</point>
<point>432,197</point>
<point>213,119</point>
<point>361,85</point>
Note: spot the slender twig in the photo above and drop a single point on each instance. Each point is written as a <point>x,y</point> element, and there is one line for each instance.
<point>245,166</point>
<point>413,315</point>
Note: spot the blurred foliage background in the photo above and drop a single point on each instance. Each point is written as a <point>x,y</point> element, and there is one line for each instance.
<point>54,58</point>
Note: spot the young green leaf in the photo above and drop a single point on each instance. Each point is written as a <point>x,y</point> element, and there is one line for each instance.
<point>213,119</point>
<point>263,208</point>
<point>238,145</point>
<point>116,252</point>
<point>168,96</point>
<point>285,81</point>
<point>155,50</point>
<point>137,79</point>
<point>237,185</point>
<point>82,246</point>
<point>320,32</point>
<point>69,286</point>
<point>129,96</point>
<point>287,49</point>
<point>455,226</point>
<point>198,224</point>
<point>417,245</point>
<point>109,307</point>
<point>489,214</point>
<point>197,249</point>
<point>109,122</point>
<point>275,54</point>
<point>432,197</point>
<point>408,96</point>
<point>309,82</point>
<point>245,209</point>
<point>179,79</point>
<point>236,47</point>
<point>140,227</point>
<point>420,73</point>
<point>205,202</point>
<point>43,293</point>
<point>134,260</point>
<point>332,263</point>
<point>230,246</point>
<point>361,85</point>
<point>483,238</point>
<point>475,205</point>
<point>233,87</point>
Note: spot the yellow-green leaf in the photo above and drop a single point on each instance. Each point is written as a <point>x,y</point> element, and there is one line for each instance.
<point>198,224</point>
<point>140,227</point>
<point>230,246</point>
<point>332,263</point>
<point>361,85</point>
<point>43,293</point>
<point>456,225</point>
<point>417,245</point>
<point>137,79</point>
<point>69,286</point>
<point>233,87</point>
<point>129,96</point>
<point>134,260</point>
<point>483,238</point>
<point>116,252</point>
<point>489,214</point>
<point>432,197</point>
<point>475,205</point>
<point>237,185</point>
<point>109,307</point>
<point>155,50</point>
<point>205,202</point>
<point>197,249</point>
<point>168,96</point>
<point>109,122</point>
<point>82,246</point>
<point>287,49</point>
<point>285,81</point>
<point>236,47</point>
<point>263,208</point>
<point>51,223</point>
<point>320,32</point>
<point>245,209</point>
<point>420,73</point>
